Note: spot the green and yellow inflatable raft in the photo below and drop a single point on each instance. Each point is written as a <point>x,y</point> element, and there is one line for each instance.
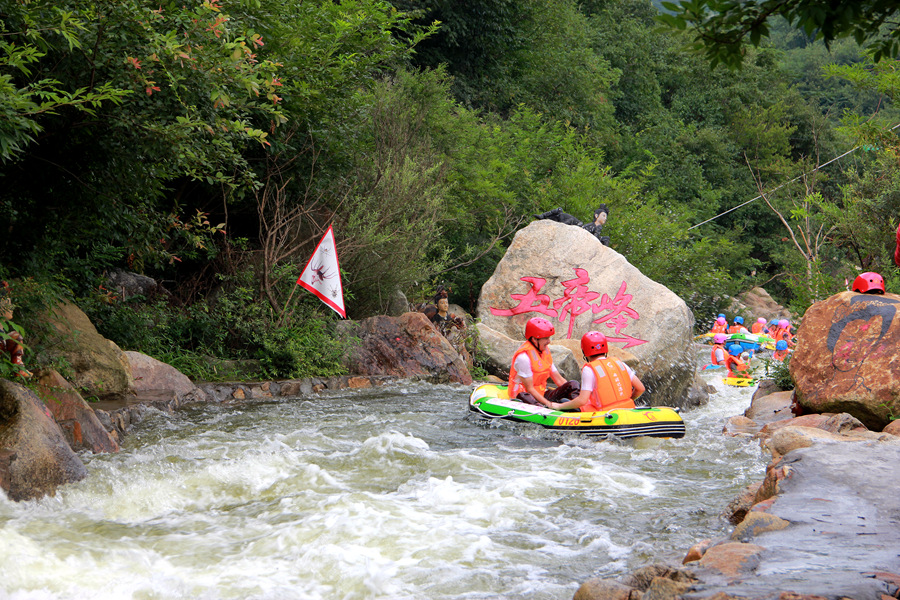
<point>739,381</point>
<point>492,402</point>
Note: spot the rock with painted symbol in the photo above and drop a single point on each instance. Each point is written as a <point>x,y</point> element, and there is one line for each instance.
<point>564,274</point>
<point>847,358</point>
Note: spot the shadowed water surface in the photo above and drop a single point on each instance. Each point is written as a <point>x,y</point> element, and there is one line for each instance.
<point>390,493</point>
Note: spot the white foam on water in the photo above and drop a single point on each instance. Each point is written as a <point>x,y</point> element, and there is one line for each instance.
<point>405,499</point>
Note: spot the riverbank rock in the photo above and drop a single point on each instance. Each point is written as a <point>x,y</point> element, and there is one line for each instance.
<point>824,523</point>
<point>756,303</point>
<point>564,274</point>
<point>847,357</point>
<point>404,346</point>
<point>99,367</point>
<point>35,458</point>
<point>153,378</point>
<point>77,420</point>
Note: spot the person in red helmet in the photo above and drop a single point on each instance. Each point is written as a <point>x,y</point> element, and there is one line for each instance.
<point>868,283</point>
<point>532,365</point>
<point>606,383</point>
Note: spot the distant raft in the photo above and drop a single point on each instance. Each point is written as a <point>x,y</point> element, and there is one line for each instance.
<point>751,341</point>
<point>491,401</point>
<point>739,381</point>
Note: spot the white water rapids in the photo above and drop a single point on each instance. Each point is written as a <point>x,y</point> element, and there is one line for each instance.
<point>393,493</point>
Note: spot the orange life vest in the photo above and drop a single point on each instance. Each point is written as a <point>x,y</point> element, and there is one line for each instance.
<point>719,328</point>
<point>735,328</point>
<point>784,334</point>
<point>713,357</point>
<point>737,363</point>
<point>612,391</point>
<point>541,365</point>
<point>780,355</point>
<point>756,328</point>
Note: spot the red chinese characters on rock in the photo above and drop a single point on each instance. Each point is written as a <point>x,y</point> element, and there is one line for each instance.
<point>575,301</point>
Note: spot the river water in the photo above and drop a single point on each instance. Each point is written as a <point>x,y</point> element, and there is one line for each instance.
<point>394,493</point>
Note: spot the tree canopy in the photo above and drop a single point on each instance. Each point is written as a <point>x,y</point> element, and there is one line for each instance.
<point>721,28</point>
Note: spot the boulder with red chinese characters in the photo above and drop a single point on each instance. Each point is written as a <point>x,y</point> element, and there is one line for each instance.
<point>564,274</point>
<point>847,357</point>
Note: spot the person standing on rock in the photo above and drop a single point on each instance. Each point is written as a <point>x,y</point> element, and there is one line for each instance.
<point>532,365</point>
<point>606,383</point>
<point>596,228</point>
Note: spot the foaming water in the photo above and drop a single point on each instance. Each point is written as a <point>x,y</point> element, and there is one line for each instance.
<point>389,493</point>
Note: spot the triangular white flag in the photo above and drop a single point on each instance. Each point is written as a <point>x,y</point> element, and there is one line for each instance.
<point>322,275</point>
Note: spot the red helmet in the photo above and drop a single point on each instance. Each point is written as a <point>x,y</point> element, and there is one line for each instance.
<point>538,328</point>
<point>594,343</point>
<point>869,283</point>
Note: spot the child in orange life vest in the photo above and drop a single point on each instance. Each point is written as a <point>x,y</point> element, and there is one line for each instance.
<point>532,364</point>
<point>606,383</point>
<point>783,332</point>
<point>718,351</point>
<point>781,350</point>
<point>720,326</point>
<point>738,326</point>
<point>759,326</point>
<point>733,361</point>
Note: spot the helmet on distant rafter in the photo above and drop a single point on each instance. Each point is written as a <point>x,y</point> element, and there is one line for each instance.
<point>869,283</point>
<point>739,320</point>
<point>721,320</point>
<point>594,343</point>
<point>536,327</point>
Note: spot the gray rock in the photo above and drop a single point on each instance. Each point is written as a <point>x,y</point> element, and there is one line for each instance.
<point>579,284</point>
<point>100,367</point>
<point>151,375</point>
<point>35,458</point>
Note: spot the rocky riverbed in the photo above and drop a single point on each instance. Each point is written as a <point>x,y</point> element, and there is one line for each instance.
<point>824,523</point>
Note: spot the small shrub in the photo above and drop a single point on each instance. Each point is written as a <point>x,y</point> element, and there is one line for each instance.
<point>780,372</point>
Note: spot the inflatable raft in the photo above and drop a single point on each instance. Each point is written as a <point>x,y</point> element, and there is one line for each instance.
<point>491,401</point>
<point>739,381</point>
<point>751,341</point>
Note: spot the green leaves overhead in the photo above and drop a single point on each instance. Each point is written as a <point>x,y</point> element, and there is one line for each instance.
<point>721,27</point>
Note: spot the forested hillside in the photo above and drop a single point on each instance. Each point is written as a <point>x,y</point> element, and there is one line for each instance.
<point>209,145</point>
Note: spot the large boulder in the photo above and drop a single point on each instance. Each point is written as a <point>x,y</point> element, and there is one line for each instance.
<point>564,274</point>
<point>35,458</point>
<point>404,346</point>
<point>847,358</point>
<point>75,417</point>
<point>757,302</point>
<point>99,367</point>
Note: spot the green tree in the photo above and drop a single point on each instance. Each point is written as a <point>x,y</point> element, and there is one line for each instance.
<point>721,28</point>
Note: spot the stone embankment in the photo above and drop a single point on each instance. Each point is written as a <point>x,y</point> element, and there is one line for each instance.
<point>120,416</point>
<point>823,524</point>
